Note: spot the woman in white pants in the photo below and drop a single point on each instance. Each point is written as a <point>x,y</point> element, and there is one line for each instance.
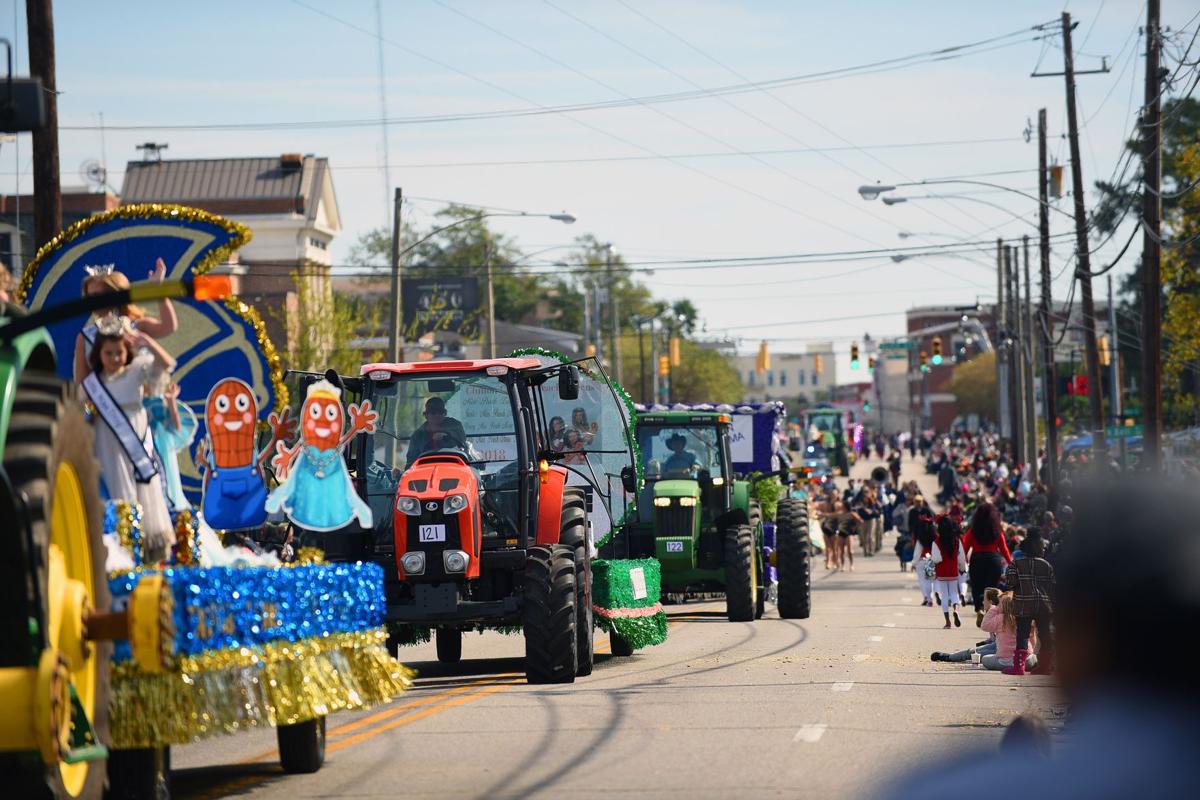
<point>920,527</point>
<point>950,561</point>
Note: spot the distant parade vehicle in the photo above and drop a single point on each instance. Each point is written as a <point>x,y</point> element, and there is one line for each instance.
<point>485,501</point>
<point>696,516</point>
<point>831,425</point>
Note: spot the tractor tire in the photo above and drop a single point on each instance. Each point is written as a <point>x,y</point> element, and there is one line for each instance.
<point>619,645</point>
<point>549,616</point>
<point>140,774</point>
<point>573,533</point>
<point>52,497</point>
<point>755,514</point>
<point>740,574</point>
<point>301,746</point>
<point>760,596</point>
<point>449,645</point>
<point>794,560</point>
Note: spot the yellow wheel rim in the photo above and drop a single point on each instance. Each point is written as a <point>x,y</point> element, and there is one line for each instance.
<point>69,533</point>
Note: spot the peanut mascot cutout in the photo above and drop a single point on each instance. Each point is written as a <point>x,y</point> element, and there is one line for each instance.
<point>316,492</point>
<point>235,492</point>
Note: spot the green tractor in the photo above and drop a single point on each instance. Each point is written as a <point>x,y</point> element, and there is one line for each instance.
<point>698,519</point>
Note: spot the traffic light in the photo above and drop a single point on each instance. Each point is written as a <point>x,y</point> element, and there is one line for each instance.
<point>763,362</point>
<point>937,350</point>
<point>924,361</point>
<point>1105,354</point>
<point>870,364</point>
<point>1081,386</point>
<point>817,363</point>
<point>664,366</point>
<point>673,351</point>
<point>854,356</point>
<point>866,406</point>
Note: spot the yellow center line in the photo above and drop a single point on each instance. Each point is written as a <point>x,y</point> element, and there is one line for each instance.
<point>410,718</point>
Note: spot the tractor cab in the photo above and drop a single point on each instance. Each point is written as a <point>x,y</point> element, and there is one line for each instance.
<point>482,476</point>
<point>684,455</point>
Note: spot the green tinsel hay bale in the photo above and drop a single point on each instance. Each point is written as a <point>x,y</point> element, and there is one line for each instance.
<point>626,606</point>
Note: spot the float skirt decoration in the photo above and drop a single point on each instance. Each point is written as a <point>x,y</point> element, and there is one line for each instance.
<point>625,599</point>
<point>256,646</point>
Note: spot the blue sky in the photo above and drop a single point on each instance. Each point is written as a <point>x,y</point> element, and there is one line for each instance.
<point>277,60</point>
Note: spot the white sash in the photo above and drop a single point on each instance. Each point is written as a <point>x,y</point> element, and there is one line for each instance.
<point>89,336</point>
<point>139,450</point>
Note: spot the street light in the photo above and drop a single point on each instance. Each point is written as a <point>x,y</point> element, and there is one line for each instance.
<point>892,201</point>
<point>871,191</point>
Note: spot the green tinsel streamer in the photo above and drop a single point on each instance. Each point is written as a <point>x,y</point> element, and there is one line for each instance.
<point>407,634</point>
<point>612,590</point>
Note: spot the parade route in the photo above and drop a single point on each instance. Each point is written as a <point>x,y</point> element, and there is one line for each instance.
<point>832,706</point>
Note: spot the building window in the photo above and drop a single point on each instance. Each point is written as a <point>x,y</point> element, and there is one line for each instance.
<point>782,378</point>
<point>815,378</point>
<point>800,377</point>
<point>750,378</point>
<point>770,379</point>
<point>317,243</point>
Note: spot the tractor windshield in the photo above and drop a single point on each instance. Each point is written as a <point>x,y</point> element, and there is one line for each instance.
<point>679,452</point>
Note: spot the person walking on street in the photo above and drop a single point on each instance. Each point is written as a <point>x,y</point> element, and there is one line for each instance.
<point>949,562</point>
<point>894,468</point>
<point>987,554</point>
<point>1031,579</point>
<point>920,526</point>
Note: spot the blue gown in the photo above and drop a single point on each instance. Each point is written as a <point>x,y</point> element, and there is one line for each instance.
<point>168,443</point>
<point>318,495</point>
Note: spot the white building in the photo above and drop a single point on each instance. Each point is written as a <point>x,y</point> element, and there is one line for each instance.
<point>790,375</point>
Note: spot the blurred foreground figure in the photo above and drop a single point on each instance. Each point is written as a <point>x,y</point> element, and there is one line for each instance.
<point>1128,592</point>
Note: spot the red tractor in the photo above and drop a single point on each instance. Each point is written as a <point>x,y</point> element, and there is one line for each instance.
<point>485,499</point>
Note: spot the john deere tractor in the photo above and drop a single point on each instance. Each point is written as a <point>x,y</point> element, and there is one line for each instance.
<point>698,519</point>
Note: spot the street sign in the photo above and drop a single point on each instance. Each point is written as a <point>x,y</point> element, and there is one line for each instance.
<point>896,346</point>
<point>1123,432</point>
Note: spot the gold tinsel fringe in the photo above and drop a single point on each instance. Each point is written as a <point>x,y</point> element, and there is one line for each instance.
<point>276,684</point>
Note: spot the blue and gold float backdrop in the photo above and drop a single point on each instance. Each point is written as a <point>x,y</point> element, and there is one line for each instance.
<point>215,340</point>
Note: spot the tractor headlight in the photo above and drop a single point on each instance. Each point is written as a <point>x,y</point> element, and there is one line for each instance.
<point>718,481</point>
<point>662,502</point>
<point>455,560</point>
<point>409,505</point>
<point>455,503</point>
<point>413,563</point>
<point>687,502</point>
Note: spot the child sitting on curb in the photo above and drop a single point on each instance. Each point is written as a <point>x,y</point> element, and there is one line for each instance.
<point>1004,626</point>
<point>991,607</point>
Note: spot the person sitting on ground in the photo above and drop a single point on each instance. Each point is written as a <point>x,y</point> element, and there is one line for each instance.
<point>439,432</point>
<point>1031,579</point>
<point>991,604</point>
<point>1004,626</point>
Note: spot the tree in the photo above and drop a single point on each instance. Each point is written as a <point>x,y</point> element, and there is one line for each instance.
<point>1181,318</point>
<point>704,375</point>
<point>325,325</point>
<point>974,386</point>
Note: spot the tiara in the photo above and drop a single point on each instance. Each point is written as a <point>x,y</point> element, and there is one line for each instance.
<point>100,269</point>
<point>113,325</point>
<point>323,387</point>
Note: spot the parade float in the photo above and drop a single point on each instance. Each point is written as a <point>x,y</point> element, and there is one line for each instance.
<point>111,653</point>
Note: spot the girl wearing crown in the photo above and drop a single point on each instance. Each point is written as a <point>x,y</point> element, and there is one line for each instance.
<point>123,444</point>
<point>107,279</point>
<point>316,492</point>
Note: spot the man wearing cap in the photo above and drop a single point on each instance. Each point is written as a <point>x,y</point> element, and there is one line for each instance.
<point>439,432</point>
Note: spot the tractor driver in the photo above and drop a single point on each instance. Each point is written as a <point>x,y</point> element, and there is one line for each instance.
<point>439,432</point>
<point>681,462</point>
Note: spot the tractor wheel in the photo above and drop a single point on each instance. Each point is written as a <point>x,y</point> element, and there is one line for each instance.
<point>741,584</point>
<point>449,645</point>
<point>793,562</point>
<point>755,514</point>
<point>619,645</point>
<point>301,746</point>
<point>574,528</point>
<point>52,503</point>
<point>549,615</point>
<point>140,774</point>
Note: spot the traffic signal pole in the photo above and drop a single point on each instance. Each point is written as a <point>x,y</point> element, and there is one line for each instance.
<point>1045,313</point>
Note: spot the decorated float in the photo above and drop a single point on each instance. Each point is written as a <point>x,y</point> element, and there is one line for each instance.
<point>120,638</point>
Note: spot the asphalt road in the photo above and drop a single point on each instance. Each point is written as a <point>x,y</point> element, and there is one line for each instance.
<point>832,706</point>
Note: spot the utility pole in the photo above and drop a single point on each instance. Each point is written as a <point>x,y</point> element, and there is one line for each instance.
<point>491,299</point>
<point>641,359</point>
<point>47,193</point>
<point>395,332</point>
<point>1083,261</point>
<point>1028,351</point>
<point>1012,344</point>
<point>1002,404</point>
<point>1049,372</point>
<point>657,382</point>
<point>1114,371</point>
<point>1151,249</point>
<point>615,357</point>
